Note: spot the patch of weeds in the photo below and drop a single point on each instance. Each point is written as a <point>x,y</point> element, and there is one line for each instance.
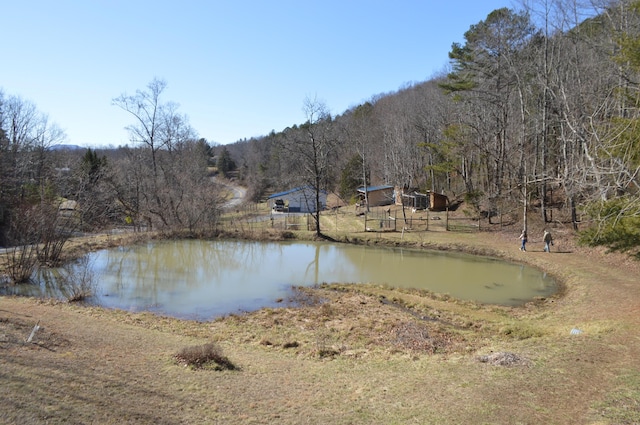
<point>326,310</point>
<point>504,359</point>
<point>207,356</point>
<point>304,297</point>
<point>417,337</point>
<point>323,348</point>
<point>521,332</point>
<point>328,353</point>
<point>623,405</point>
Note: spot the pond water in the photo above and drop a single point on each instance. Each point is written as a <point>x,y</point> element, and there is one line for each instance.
<point>206,279</point>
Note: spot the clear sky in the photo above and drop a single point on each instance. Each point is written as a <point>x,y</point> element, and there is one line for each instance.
<point>237,68</point>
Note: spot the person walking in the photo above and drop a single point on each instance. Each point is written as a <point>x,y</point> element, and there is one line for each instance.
<point>548,241</point>
<point>523,238</point>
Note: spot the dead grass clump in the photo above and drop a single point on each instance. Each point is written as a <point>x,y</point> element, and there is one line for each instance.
<point>324,347</point>
<point>305,297</point>
<point>207,356</point>
<point>416,337</point>
<point>504,359</point>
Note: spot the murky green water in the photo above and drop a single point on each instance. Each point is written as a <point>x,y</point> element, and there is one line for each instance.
<point>205,279</point>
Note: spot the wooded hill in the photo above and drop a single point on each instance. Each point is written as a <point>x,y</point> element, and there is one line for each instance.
<point>537,101</point>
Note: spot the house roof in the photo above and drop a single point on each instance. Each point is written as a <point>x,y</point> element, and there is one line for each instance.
<point>290,191</point>
<point>374,188</point>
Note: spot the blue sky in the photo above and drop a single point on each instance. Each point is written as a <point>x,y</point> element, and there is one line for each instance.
<point>237,68</point>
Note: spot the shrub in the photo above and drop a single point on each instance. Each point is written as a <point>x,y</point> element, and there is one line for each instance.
<point>204,357</point>
<point>288,235</point>
<point>78,280</point>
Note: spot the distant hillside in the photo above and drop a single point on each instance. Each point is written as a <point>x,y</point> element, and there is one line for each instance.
<point>65,147</point>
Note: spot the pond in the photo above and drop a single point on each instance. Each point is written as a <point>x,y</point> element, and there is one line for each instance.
<point>206,279</point>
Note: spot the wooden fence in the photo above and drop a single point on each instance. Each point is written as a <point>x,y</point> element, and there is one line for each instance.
<point>382,221</point>
<point>252,217</point>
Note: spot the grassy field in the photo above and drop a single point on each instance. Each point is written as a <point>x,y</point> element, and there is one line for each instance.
<point>353,354</point>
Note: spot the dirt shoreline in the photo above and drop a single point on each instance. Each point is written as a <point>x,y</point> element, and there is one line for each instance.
<point>353,359</point>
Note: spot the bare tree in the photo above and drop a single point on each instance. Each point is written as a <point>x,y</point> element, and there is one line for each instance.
<point>149,117</point>
<point>164,179</point>
<point>311,149</point>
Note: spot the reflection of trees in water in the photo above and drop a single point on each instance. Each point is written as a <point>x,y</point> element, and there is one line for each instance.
<point>144,270</point>
<point>314,262</point>
<point>166,270</point>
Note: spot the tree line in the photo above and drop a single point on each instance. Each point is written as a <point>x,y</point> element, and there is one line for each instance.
<point>49,194</point>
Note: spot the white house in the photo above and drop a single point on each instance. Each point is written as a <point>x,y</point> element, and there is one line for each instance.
<point>301,199</point>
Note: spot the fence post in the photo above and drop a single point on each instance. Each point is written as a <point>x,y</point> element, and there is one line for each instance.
<point>446,224</point>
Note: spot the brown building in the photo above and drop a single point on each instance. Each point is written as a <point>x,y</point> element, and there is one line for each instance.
<point>377,195</point>
<point>420,201</point>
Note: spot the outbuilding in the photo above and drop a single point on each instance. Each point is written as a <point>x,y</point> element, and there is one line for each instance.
<point>420,201</point>
<point>376,195</point>
<point>298,200</point>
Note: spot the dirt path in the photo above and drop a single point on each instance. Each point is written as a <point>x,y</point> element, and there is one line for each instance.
<point>89,365</point>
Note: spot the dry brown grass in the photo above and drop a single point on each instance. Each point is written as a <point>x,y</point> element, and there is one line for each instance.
<point>351,355</point>
<point>205,356</point>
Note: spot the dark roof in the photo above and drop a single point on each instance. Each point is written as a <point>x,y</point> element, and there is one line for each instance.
<point>290,191</point>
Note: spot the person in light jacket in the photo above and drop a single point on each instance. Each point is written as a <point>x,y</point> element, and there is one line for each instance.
<point>548,241</point>
<point>523,238</point>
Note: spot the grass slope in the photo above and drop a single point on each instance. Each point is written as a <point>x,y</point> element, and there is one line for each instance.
<point>365,354</point>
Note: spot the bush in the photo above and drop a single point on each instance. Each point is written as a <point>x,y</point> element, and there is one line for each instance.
<point>204,357</point>
<point>78,281</point>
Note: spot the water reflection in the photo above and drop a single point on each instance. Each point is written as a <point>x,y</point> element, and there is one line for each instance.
<point>204,279</point>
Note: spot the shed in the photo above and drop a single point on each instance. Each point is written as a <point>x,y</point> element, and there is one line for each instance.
<point>300,199</point>
<point>416,200</point>
<point>438,201</point>
<point>420,201</point>
<point>377,195</point>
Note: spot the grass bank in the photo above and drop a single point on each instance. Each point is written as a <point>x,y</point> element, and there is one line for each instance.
<point>353,354</point>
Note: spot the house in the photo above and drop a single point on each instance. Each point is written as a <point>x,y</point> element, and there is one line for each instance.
<point>377,195</point>
<point>67,208</point>
<point>300,200</point>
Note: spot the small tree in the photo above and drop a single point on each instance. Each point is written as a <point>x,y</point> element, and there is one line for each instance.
<point>225,164</point>
<point>351,177</point>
